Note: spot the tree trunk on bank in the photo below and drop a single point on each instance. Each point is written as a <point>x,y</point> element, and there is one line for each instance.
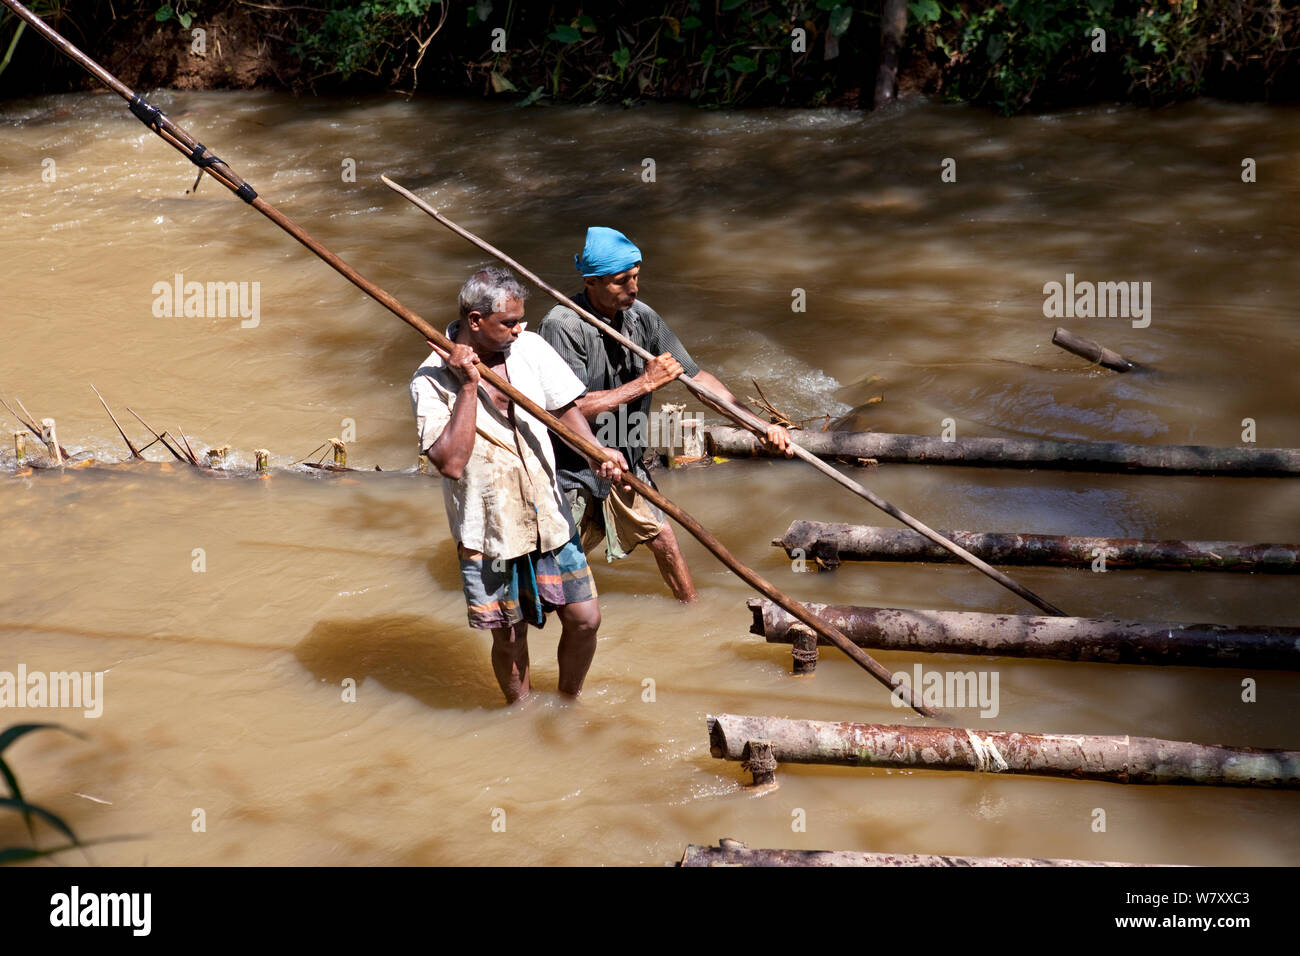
<point>830,543</point>
<point>1022,453</point>
<point>1054,638</point>
<point>1112,759</point>
<point>893,24</point>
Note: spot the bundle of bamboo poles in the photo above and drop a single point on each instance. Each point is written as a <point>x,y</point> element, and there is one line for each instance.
<point>829,543</point>
<point>1023,453</point>
<point>1259,647</point>
<point>765,742</point>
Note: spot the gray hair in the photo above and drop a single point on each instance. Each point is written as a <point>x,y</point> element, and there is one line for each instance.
<point>488,289</point>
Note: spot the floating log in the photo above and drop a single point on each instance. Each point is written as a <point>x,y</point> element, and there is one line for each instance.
<point>1023,453</point>
<point>1112,759</point>
<point>1093,351</point>
<point>1262,647</point>
<point>731,853</point>
<point>830,543</point>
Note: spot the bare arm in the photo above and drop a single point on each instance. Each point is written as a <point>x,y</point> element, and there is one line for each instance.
<point>658,373</point>
<point>777,437</point>
<point>451,450</point>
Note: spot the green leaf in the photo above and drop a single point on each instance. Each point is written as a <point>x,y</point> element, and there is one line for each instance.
<point>586,24</point>
<point>840,18</point>
<point>163,13</point>
<point>827,4</point>
<point>186,19</point>
<point>622,57</point>
<point>925,11</point>
<point>690,23</point>
<point>997,45</point>
<point>564,34</point>
<point>743,64</point>
<point>531,98</point>
<point>731,4</point>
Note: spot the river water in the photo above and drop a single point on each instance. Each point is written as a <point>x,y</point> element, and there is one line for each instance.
<point>230,615</point>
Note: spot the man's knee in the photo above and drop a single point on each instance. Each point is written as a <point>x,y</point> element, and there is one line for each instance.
<point>665,542</point>
<point>582,619</point>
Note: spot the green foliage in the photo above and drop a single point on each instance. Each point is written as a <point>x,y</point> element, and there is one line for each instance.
<point>363,37</point>
<point>1019,53</point>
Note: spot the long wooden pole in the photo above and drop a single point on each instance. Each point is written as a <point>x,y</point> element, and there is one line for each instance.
<point>731,409</point>
<point>1115,759</point>
<point>219,171</point>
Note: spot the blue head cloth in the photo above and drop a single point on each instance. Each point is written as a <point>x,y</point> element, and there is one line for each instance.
<point>607,252</point>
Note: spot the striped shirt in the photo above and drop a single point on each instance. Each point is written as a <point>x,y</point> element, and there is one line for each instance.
<point>603,364</point>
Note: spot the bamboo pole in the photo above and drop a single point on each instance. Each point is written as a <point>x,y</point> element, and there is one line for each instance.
<point>1258,647</point>
<point>135,452</point>
<point>728,408</point>
<point>1024,453</point>
<point>731,853</point>
<point>222,173</point>
<point>1112,759</point>
<point>830,543</point>
<point>1093,351</point>
<point>20,447</point>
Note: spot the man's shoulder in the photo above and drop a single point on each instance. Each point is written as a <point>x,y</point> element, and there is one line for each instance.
<point>562,318</point>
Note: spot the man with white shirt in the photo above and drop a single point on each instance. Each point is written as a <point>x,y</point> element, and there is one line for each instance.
<point>518,546</point>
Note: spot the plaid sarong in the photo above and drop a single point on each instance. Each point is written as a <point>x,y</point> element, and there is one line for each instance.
<point>501,593</point>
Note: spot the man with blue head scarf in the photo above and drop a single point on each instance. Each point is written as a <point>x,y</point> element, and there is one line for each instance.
<point>619,384</point>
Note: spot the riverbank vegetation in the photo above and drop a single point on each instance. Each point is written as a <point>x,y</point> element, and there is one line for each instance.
<point>1013,55</point>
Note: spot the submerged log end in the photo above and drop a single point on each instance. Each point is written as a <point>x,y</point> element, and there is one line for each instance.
<point>756,608</point>
<point>717,737</point>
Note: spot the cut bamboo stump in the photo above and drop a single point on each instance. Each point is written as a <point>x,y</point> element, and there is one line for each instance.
<point>1023,453</point>
<point>1053,638</point>
<point>731,853</point>
<point>1111,759</point>
<point>830,543</point>
<point>1094,352</point>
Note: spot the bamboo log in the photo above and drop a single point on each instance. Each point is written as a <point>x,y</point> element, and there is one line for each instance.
<point>1024,453</point>
<point>830,543</point>
<point>1093,351</point>
<point>262,455</point>
<point>741,855</point>
<point>214,167</point>
<point>1258,647</point>
<point>20,447</point>
<point>1112,759</point>
<point>340,452</point>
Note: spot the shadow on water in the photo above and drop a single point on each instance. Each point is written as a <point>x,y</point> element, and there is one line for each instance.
<point>440,666</point>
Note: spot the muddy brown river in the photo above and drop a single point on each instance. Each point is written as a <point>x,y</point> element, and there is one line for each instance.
<point>287,672</point>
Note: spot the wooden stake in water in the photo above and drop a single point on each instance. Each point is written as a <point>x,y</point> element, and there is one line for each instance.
<point>263,456</point>
<point>51,440</point>
<point>340,453</point>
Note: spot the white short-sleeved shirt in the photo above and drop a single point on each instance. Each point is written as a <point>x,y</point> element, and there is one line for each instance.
<point>507,502</point>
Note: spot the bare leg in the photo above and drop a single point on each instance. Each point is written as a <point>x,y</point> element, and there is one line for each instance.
<point>510,660</point>
<point>672,565</point>
<point>577,647</point>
